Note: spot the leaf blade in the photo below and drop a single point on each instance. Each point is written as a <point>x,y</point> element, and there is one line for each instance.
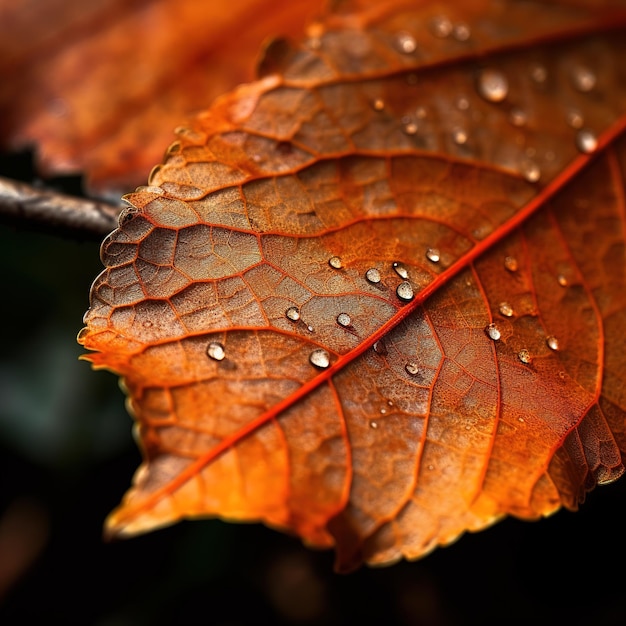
<point>294,223</point>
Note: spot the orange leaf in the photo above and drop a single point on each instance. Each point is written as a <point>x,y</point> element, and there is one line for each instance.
<point>377,298</point>
<point>99,86</point>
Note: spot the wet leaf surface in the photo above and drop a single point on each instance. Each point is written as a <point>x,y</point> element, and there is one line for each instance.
<point>377,297</point>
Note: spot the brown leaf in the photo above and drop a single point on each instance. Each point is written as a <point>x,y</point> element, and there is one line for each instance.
<point>378,297</point>
<point>99,86</point>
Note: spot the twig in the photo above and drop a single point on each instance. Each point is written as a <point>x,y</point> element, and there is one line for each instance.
<point>25,205</point>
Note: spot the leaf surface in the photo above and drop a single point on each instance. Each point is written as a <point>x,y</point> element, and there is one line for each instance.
<point>377,298</point>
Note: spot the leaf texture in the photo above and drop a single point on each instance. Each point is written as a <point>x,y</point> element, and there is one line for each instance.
<point>377,298</point>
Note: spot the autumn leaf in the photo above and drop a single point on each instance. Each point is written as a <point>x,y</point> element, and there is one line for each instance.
<point>98,87</point>
<point>377,298</point>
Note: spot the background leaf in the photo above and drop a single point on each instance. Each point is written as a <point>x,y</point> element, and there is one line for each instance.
<point>99,88</point>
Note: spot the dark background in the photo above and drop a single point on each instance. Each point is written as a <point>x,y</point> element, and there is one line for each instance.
<point>67,456</point>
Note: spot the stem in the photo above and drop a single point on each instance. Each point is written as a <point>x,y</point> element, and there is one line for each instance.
<point>29,206</point>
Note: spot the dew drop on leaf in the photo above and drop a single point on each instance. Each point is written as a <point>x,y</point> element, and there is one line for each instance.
<point>404,291</point>
<point>493,85</point>
<point>506,309</point>
<point>575,118</point>
<point>510,263</point>
<point>380,347</point>
<point>410,128</point>
<point>372,275</point>
<point>412,369</point>
<point>401,271</point>
<point>517,117</point>
<point>583,79</point>
<point>553,342</point>
<point>320,358</point>
<point>215,351</point>
<point>459,136</point>
<point>493,332</point>
<point>462,104</point>
<point>406,43</point>
<point>586,141</point>
<point>343,319</point>
<point>441,26</point>
<point>539,73</point>
<point>293,313</point>
<point>524,356</point>
<point>461,32</point>
<point>373,424</point>
<point>432,254</point>
<point>335,262</point>
<point>378,104</point>
<point>562,280</point>
<point>530,171</point>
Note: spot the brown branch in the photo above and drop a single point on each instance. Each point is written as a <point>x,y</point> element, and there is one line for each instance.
<point>28,206</point>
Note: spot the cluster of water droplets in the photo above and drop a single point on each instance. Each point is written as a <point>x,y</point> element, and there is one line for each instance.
<point>506,310</point>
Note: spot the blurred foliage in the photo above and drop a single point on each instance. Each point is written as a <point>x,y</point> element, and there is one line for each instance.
<point>66,454</point>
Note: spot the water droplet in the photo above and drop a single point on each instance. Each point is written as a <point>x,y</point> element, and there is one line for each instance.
<point>373,424</point>
<point>343,319</point>
<point>441,26</point>
<point>412,369</point>
<point>406,43</point>
<point>383,411</point>
<point>553,342</point>
<point>335,262</point>
<point>147,324</point>
<point>586,141</point>
<point>493,332</point>
<point>493,85</point>
<point>524,356</point>
<point>431,467</point>
<point>562,280</point>
<point>520,420</point>
<point>378,104</point>
<point>380,348</point>
<point>410,128</point>
<point>314,43</point>
<point>461,32</point>
<point>575,118</point>
<point>506,309</point>
<point>216,351</point>
<point>510,263</point>
<point>320,358</point>
<point>404,291</point>
<point>530,171</point>
<point>462,103</point>
<point>372,275</point>
<point>401,271</point>
<point>583,79</point>
<point>310,328</point>
<point>293,313</point>
<point>432,254</point>
<point>539,73</point>
<point>459,136</point>
<point>517,117</point>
